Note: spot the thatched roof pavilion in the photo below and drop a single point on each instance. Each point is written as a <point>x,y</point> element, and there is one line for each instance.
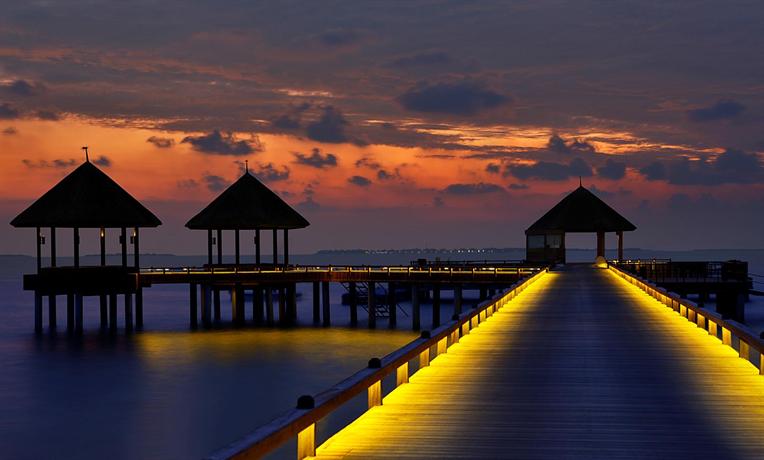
<point>86,198</point>
<point>247,204</point>
<point>581,211</point>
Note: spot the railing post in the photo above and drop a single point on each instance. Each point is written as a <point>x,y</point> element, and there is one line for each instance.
<point>375,394</point>
<point>745,350</point>
<point>306,442</point>
<point>402,374</point>
<point>726,336</point>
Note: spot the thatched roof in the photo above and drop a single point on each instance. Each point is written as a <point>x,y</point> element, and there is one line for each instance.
<point>581,211</point>
<point>86,198</point>
<point>247,204</point>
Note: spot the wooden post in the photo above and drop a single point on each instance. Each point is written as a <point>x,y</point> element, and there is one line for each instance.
<point>137,248</point>
<point>620,245</point>
<point>353,303</point>
<point>286,248</point>
<point>275,248</point>
<point>424,358</point>
<point>206,306</point>
<point>745,350</point>
<point>216,303</point>
<point>103,310</point>
<point>209,246</point>
<point>53,247</point>
<point>113,312</point>
<point>78,314</point>
<point>52,312</point>
<point>257,247</point>
<point>283,320</point>
<point>239,304</point>
<point>457,300</point>
<point>192,306</point>
<point>292,303</point>
<point>269,305</point>
<point>237,251</point>
<point>306,442</point>
<point>600,244</point>
<point>220,245</point>
<point>327,313</point>
<point>435,305</point>
<point>375,394</point>
<point>316,302</point>
<point>76,249</point>
<point>123,243</point>
<point>392,305</point>
<point>372,305</point>
<point>102,235</point>
<point>37,312</point>
<point>39,251</point>
<point>139,308</point>
<point>415,308</point>
<point>128,312</point>
<point>402,374</point>
<point>69,313</point>
<point>257,304</point>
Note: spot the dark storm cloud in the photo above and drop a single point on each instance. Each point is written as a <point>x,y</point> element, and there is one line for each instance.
<point>10,131</point>
<point>23,88</point>
<point>367,162</point>
<point>329,128</point>
<point>559,145</point>
<point>271,173</point>
<point>55,164</point>
<point>383,174</point>
<point>479,188</point>
<point>102,161</point>
<point>223,144</point>
<point>161,142</point>
<point>316,159</point>
<point>612,170</point>
<point>432,59</point>
<point>730,167</point>
<point>462,98</point>
<point>722,110</point>
<point>493,168</point>
<point>551,171</point>
<point>47,115</point>
<point>359,181</point>
<point>214,183</point>
<point>291,120</point>
<point>8,112</point>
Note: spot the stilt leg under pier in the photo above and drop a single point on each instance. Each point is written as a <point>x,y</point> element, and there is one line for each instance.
<point>52,312</point>
<point>139,309</point>
<point>283,320</point>
<point>372,305</point>
<point>483,293</point>
<point>416,310</point>
<point>316,302</point>
<point>435,306</point>
<point>257,304</point>
<point>292,303</point>
<point>37,312</point>
<point>269,306</point>
<point>353,304</point>
<point>216,293</point>
<point>206,306</point>
<point>240,317</point>
<point>78,314</point>
<point>192,306</point>
<point>69,313</point>
<point>128,313</point>
<point>325,301</point>
<point>113,313</point>
<point>392,306</point>
<point>458,300</point>
<point>104,311</point>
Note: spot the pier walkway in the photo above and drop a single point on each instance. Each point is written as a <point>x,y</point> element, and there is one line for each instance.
<point>581,364</point>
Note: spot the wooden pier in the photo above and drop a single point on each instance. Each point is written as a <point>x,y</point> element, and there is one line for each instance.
<point>578,363</point>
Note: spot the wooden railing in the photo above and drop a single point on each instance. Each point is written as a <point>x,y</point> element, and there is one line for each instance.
<point>667,270</point>
<point>301,421</point>
<point>727,330</point>
<point>376,269</point>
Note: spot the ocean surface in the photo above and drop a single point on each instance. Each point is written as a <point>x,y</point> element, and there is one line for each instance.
<point>170,393</point>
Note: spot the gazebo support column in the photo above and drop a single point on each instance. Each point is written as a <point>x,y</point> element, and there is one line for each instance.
<point>209,246</point>
<point>102,238</point>
<point>39,249</point>
<point>52,297</point>
<point>220,246</point>
<point>286,248</point>
<point>257,247</point>
<point>137,248</point>
<point>76,241</point>
<point>123,243</point>
<point>600,244</point>
<point>237,257</point>
<point>275,248</point>
<point>102,298</point>
<point>52,246</point>
<point>620,245</point>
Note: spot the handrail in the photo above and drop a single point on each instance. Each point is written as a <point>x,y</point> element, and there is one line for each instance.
<point>301,421</point>
<point>707,320</point>
<point>385,270</point>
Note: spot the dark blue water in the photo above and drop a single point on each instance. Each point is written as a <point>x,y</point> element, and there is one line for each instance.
<point>167,392</point>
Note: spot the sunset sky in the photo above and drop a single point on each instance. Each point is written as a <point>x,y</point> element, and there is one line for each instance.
<point>390,124</point>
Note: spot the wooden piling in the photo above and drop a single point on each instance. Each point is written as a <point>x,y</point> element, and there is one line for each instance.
<point>37,312</point>
<point>269,306</point>
<point>78,328</point>
<point>139,308</point>
<point>435,305</point>
<point>257,304</point>
<point>372,305</point>
<point>70,313</point>
<point>292,303</point>
<point>392,305</point>
<point>353,303</point>
<point>128,312</point>
<point>104,311</point>
<point>113,312</point>
<point>52,312</point>
<point>316,302</point>
<point>206,306</point>
<point>458,300</point>
<point>192,306</point>
<point>283,320</point>
<point>327,313</point>
<point>416,310</point>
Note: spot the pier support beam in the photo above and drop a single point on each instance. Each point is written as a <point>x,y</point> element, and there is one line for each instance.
<point>52,312</point>
<point>128,312</point>
<point>435,306</point>
<point>292,303</point>
<point>78,314</point>
<point>193,312</point>
<point>353,303</point>
<point>283,320</point>
<point>139,309</point>
<point>237,304</point>
<point>316,302</point>
<point>269,305</point>
<point>327,313</point>
<point>416,309</point>
<point>392,306</point>
<point>257,304</point>
<point>104,311</point>
<point>458,300</point>
<point>372,305</point>
<point>113,312</point>
<point>620,245</point>
<point>70,313</point>
<point>37,312</point>
<point>216,301</point>
<point>206,306</point>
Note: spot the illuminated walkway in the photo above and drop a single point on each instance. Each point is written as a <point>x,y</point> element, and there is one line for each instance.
<point>580,365</point>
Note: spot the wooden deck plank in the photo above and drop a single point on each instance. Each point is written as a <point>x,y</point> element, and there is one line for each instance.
<point>580,365</point>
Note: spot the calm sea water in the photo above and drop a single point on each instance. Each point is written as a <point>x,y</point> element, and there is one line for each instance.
<point>170,393</point>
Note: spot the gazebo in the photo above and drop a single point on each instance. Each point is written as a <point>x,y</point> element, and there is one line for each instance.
<point>579,212</point>
<point>247,204</point>
<point>85,198</point>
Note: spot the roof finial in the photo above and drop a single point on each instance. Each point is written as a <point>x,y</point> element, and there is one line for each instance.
<point>87,159</point>
<point>246,166</point>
